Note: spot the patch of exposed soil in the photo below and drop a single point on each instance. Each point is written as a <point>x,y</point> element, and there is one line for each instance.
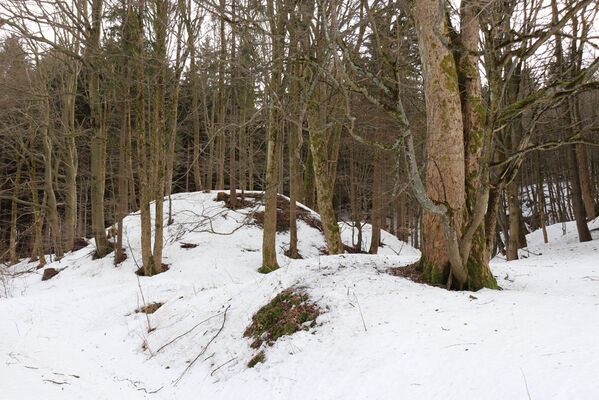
<point>353,250</point>
<point>49,273</point>
<point>120,257</point>
<point>95,254</point>
<point>283,208</point>
<point>79,244</point>
<point>410,272</point>
<point>240,203</point>
<point>150,308</point>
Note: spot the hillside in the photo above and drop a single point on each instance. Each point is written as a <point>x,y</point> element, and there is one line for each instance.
<point>379,336</point>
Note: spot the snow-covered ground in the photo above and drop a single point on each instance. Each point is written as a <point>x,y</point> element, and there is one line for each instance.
<point>381,337</point>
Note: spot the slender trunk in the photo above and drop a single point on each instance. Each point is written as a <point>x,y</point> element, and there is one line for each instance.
<point>541,198</point>
<point>159,133</point>
<point>269,254</point>
<point>13,241</point>
<point>195,118</point>
<point>52,211</point>
<point>376,212</point>
<point>585,180</point>
<point>98,141</point>
<point>123,184</point>
<point>513,242</point>
<point>71,158</point>
<point>584,235</point>
<point>309,187</point>
<point>294,185</point>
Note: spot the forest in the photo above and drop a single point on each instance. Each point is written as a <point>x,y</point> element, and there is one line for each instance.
<point>462,133</point>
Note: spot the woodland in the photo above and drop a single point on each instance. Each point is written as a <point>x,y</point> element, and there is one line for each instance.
<point>299,199</point>
<point>459,128</point>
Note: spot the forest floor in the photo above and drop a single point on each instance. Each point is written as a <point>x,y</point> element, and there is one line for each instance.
<point>378,336</point>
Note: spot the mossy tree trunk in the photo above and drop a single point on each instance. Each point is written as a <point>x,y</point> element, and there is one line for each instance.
<point>474,118</point>
<point>445,178</point>
<point>319,145</point>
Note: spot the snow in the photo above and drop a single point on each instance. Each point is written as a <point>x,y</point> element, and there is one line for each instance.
<point>379,337</point>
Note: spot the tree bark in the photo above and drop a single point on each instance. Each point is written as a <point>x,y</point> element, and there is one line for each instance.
<point>445,174</point>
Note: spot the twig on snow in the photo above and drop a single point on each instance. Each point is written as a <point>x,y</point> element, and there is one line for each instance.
<point>205,347</point>
<point>144,303</point>
<point>188,331</point>
<point>222,365</point>
<point>526,384</point>
<point>360,309</point>
<point>56,382</point>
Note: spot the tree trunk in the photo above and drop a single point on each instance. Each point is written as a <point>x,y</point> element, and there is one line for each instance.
<point>376,211</point>
<point>13,241</point>
<point>323,179</point>
<point>585,181</point>
<point>294,185</point>
<point>584,235</point>
<point>269,253</point>
<point>98,142</point>
<point>445,176</point>
<point>513,241</point>
<point>541,198</point>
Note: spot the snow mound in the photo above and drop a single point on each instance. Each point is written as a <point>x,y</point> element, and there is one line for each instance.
<point>379,336</point>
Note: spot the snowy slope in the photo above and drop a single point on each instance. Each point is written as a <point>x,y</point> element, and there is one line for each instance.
<point>380,337</point>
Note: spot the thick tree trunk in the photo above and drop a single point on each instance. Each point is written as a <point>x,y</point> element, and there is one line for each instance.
<point>474,119</point>
<point>323,179</point>
<point>445,176</point>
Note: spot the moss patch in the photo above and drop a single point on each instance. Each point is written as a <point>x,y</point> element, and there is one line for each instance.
<point>432,273</point>
<point>290,311</point>
<point>258,358</point>
<point>265,269</point>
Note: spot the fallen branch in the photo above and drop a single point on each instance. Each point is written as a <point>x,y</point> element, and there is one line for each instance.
<point>205,347</point>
